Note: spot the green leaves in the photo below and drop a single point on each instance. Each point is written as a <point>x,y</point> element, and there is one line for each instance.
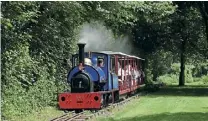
<point>34,43</point>
<point>37,38</point>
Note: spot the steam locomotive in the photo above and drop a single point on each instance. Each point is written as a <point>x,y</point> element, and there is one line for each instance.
<point>98,78</point>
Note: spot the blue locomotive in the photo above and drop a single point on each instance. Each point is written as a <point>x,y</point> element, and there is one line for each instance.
<point>97,77</point>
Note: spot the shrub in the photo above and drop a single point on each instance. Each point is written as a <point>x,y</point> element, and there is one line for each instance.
<point>205,79</point>
<point>149,77</point>
<point>197,79</point>
<point>173,76</point>
<point>200,69</point>
<point>20,94</point>
<point>168,78</point>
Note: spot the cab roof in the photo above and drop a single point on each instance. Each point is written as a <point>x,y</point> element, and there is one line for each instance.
<point>118,53</point>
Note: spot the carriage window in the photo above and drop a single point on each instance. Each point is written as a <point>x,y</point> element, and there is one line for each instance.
<point>132,63</point>
<point>123,63</point>
<point>137,65</point>
<point>113,64</point>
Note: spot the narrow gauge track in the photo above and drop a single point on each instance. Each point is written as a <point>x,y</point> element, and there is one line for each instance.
<point>72,116</point>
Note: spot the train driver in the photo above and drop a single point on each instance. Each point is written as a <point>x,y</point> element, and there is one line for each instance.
<point>88,61</point>
<point>100,62</point>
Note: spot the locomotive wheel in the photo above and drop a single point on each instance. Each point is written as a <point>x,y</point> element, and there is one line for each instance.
<point>66,111</point>
<point>127,95</point>
<point>78,111</point>
<point>94,111</point>
<point>116,96</point>
<point>105,100</point>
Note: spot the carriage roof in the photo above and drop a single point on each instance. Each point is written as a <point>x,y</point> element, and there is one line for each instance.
<point>119,53</point>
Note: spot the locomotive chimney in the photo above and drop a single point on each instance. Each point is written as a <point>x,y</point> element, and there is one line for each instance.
<point>81,52</point>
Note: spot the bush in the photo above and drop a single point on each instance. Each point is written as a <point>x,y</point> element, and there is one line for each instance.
<point>173,76</point>
<point>168,78</point>
<point>205,79</point>
<point>149,77</point>
<point>153,86</point>
<point>26,84</point>
<point>18,100</point>
<point>197,79</point>
<point>201,80</point>
<point>200,69</point>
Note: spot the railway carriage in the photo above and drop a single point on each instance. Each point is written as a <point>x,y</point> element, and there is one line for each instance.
<point>100,77</point>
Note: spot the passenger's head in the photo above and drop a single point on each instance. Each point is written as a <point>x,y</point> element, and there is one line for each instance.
<point>100,62</point>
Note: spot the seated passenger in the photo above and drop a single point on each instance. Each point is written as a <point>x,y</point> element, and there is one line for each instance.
<point>128,69</point>
<point>137,73</point>
<point>120,72</point>
<point>143,75</point>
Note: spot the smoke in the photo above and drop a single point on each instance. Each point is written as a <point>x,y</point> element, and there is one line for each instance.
<point>98,38</point>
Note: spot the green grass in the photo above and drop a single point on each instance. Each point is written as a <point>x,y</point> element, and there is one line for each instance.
<point>44,115</point>
<point>172,103</point>
<point>189,103</point>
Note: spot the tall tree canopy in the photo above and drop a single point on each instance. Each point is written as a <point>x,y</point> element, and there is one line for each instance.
<point>39,37</point>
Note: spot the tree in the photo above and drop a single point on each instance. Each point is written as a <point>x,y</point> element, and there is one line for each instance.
<point>203,6</point>
<point>190,33</point>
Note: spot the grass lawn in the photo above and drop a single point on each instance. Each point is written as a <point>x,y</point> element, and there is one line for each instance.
<point>44,115</point>
<point>171,103</point>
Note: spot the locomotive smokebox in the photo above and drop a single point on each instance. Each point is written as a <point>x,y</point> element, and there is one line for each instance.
<point>81,52</point>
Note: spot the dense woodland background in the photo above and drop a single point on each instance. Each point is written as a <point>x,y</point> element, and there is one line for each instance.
<point>39,37</point>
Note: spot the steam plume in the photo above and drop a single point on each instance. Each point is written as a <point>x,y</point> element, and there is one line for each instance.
<point>98,38</point>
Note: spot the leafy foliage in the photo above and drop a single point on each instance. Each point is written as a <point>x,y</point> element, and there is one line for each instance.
<point>39,37</point>
<point>172,76</point>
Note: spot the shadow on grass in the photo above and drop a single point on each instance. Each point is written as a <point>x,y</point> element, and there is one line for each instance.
<point>191,90</point>
<point>183,116</point>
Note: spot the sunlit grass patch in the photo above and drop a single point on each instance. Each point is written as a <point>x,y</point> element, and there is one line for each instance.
<point>189,103</point>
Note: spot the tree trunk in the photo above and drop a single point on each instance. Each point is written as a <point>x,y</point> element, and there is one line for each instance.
<point>144,68</point>
<point>155,70</point>
<point>182,68</point>
<point>184,39</point>
<point>206,29</point>
<point>155,75</point>
<point>203,7</point>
